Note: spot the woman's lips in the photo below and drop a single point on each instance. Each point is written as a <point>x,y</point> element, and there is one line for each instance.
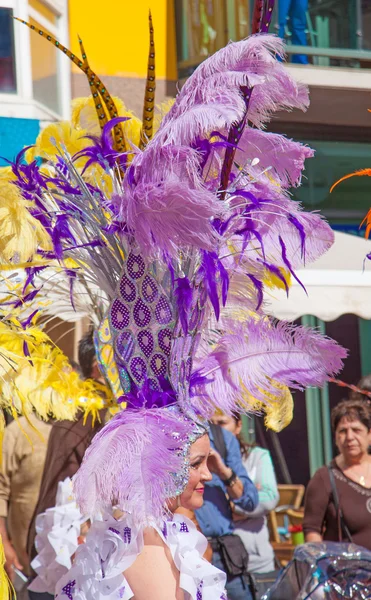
<point>200,490</point>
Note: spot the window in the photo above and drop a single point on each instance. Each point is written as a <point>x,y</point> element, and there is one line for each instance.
<point>31,69</point>
<point>8,82</point>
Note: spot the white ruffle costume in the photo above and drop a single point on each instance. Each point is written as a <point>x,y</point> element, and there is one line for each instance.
<point>113,545</point>
<point>57,532</point>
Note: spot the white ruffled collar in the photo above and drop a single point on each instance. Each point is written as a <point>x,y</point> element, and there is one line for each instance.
<point>113,545</point>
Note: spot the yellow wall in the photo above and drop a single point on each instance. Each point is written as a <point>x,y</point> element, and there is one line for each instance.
<point>115,35</point>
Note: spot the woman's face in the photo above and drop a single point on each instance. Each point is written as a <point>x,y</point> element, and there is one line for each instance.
<point>352,438</point>
<point>193,495</point>
<point>228,423</point>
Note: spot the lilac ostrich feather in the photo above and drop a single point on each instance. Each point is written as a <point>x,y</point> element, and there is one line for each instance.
<point>254,55</point>
<point>167,215</point>
<point>132,462</point>
<point>273,215</point>
<point>319,238</point>
<point>250,62</point>
<point>284,156</point>
<point>257,351</point>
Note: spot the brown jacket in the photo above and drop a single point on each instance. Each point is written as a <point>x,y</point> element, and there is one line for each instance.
<point>24,451</point>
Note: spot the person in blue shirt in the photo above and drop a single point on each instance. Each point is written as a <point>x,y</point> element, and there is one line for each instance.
<point>215,516</point>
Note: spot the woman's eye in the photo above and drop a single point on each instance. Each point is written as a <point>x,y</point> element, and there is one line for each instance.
<point>195,465</point>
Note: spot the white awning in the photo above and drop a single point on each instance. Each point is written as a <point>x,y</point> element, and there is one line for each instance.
<point>336,284</point>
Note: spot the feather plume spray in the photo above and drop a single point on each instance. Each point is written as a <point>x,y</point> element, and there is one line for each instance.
<point>263,351</point>
<point>55,296</point>
<point>20,233</point>
<point>128,464</point>
<point>359,173</point>
<point>35,375</point>
<point>94,81</point>
<point>170,217</point>
<point>250,62</point>
<point>149,96</point>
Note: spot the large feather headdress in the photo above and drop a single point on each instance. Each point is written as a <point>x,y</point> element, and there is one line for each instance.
<point>183,235</point>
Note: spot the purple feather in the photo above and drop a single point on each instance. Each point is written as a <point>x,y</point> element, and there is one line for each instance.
<point>102,151</point>
<point>259,289</point>
<point>26,322</point>
<point>169,209</point>
<point>224,278</point>
<point>284,156</point>
<point>26,352</point>
<point>208,272</point>
<point>146,397</point>
<point>183,295</point>
<point>296,223</point>
<point>288,265</point>
<point>258,352</point>
<point>138,482</point>
<point>217,82</point>
<point>71,274</point>
<point>61,231</point>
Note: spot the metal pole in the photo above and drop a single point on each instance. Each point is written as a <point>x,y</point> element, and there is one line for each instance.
<point>314,417</point>
<point>359,27</point>
<point>325,411</point>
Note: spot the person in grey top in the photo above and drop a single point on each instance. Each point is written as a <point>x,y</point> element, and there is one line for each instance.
<point>252,526</point>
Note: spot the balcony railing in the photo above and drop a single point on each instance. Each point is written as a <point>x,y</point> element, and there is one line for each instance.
<point>332,33</point>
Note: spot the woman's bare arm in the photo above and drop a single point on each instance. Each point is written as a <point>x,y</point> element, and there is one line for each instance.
<point>154,574</point>
<point>313,536</point>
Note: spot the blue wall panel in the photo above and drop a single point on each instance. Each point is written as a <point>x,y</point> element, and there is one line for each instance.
<point>15,134</point>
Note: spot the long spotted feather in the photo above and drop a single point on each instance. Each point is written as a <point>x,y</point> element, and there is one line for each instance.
<point>149,95</point>
<point>94,81</point>
<point>266,16</point>
<point>257,16</point>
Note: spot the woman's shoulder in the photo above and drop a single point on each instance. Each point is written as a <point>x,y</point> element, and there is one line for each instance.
<point>321,478</point>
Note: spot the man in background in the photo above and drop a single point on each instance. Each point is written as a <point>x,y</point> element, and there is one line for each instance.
<point>24,451</point>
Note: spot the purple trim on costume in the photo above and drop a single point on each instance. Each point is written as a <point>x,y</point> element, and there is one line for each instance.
<point>68,589</point>
<point>127,535</point>
<point>114,530</point>
<point>183,527</point>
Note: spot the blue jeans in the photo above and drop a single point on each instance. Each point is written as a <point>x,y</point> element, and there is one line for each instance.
<point>296,11</point>
<point>237,588</point>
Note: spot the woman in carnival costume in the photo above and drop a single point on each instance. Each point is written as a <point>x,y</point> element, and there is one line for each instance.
<point>184,234</point>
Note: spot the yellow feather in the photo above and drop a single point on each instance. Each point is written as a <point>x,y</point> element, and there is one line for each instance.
<point>272,281</point>
<point>20,233</point>
<point>6,589</point>
<point>278,408</point>
<point>43,381</point>
<point>60,135</point>
<point>162,110</point>
<point>2,429</point>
